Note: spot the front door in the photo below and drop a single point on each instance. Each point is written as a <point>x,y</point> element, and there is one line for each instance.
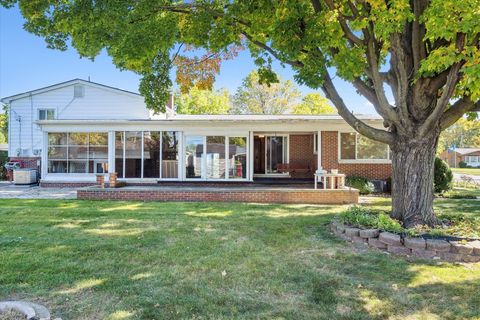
<point>269,151</point>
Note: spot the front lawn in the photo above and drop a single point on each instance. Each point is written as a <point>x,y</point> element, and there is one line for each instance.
<point>133,260</point>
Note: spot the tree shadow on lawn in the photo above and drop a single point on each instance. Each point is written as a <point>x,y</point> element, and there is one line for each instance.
<point>279,261</point>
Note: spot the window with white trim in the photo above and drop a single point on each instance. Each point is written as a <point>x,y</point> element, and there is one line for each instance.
<point>46,114</point>
<point>354,146</point>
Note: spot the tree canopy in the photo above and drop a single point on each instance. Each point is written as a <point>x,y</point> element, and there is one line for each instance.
<point>254,97</point>
<point>313,103</point>
<point>463,134</point>
<point>198,101</point>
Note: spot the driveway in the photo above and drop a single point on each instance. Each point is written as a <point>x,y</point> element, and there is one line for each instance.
<point>9,190</point>
<point>460,177</point>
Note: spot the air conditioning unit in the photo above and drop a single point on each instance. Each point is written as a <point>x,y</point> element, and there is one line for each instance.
<point>25,176</point>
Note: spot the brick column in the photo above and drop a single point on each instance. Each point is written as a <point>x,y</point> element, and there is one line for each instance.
<point>101,180</point>
<point>113,180</point>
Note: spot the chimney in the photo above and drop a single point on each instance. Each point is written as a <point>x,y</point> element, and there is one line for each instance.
<point>170,108</point>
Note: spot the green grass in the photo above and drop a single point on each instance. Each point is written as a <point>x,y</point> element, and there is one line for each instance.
<point>471,171</point>
<point>459,192</point>
<point>133,260</point>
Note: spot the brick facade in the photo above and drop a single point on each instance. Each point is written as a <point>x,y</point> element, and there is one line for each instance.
<point>307,196</point>
<point>449,157</point>
<point>371,171</point>
<point>29,162</point>
<point>301,151</point>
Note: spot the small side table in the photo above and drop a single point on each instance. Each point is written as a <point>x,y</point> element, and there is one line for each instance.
<point>337,180</point>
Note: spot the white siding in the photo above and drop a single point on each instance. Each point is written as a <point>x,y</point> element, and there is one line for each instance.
<point>97,103</point>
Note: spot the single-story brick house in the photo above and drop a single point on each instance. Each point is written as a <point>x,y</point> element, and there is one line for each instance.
<point>470,156</point>
<point>73,130</point>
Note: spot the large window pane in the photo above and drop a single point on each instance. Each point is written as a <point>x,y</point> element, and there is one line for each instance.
<point>57,152</point>
<point>57,139</point>
<point>133,154</point>
<point>347,146</point>
<point>119,138</point>
<point>215,166</point>
<point>193,156</point>
<point>276,152</point>
<point>151,154</point>
<point>98,152</point>
<point>77,139</point>
<point>237,158</point>
<point>170,155</point>
<point>369,149</point>
<point>57,166</point>
<point>78,166</point>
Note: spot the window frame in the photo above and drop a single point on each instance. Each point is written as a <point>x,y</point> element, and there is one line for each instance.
<point>356,160</point>
<point>46,113</point>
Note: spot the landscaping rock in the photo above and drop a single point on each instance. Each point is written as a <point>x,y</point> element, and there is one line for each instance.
<point>469,258</point>
<point>356,239</point>
<point>369,233</point>
<point>424,254</point>
<point>352,232</point>
<point>374,242</point>
<point>400,250</point>
<point>476,247</point>
<point>463,248</point>
<point>451,257</point>
<point>438,245</point>
<point>415,243</point>
<point>340,228</point>
<point>28,309</point>
<point>390,239</point>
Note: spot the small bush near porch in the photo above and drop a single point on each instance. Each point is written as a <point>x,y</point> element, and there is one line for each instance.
<point>132,260</point>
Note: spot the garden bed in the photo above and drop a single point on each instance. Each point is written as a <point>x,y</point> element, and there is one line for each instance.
<point>456,241</point>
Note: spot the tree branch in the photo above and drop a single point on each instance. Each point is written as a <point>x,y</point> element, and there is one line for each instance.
<point>457,110</point>
<point>294,63</point>
<point>360,126</point>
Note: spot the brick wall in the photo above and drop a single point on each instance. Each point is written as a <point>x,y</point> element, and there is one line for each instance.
<point>330,161</point>
<point>301,151</point>
<point>28,162</point>
<point>344,196</point>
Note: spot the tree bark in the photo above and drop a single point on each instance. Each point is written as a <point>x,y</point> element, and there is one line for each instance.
<point>413,160</point>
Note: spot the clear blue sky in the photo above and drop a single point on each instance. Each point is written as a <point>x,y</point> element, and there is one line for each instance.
<point>26,64</point>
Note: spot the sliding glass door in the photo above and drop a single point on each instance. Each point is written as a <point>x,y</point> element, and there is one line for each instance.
<point>215,157</point>
<point>275,152</point>
<point>194,157</point>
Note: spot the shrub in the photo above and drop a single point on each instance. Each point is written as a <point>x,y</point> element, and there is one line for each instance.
<point>462,164</point>
<point>443,176</point>
<point>360,183</point>
<point>3,160</point>
<point>363,217</point>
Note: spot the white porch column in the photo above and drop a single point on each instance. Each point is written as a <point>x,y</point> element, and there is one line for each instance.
<point>319,149</point>
<point>44,155</point>
<point>111,151</point>
<point>250,147</point>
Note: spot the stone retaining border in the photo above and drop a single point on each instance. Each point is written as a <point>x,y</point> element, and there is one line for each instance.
<point>451,251</point>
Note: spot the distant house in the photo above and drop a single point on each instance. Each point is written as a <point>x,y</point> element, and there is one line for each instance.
<point>470,156</point>
<point>73,130</point>
<point>3,147</point>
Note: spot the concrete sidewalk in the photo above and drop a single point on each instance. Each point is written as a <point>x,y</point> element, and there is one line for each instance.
<point>10,191</point>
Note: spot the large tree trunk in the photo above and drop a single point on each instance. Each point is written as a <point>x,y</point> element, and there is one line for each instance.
<point>413,161</point>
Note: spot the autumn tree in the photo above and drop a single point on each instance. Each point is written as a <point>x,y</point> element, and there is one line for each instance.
<point>198,101</point>
<point>313,103</point>
<point>255,97</point>
<point>464,133</point>
<point>426,52</point>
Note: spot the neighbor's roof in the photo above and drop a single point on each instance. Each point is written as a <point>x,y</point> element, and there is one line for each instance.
<point>62,85</point>
<point>464,151</point>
